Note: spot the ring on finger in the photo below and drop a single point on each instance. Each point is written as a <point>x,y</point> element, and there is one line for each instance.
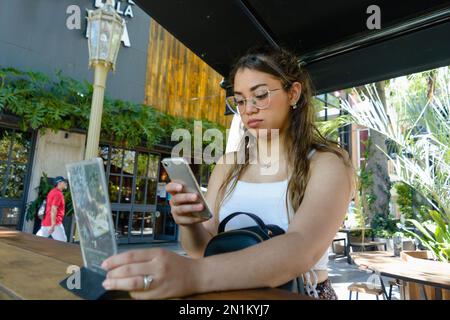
<point>147,281</point>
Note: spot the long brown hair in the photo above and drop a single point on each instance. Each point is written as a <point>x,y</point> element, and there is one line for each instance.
<point>301,132</point>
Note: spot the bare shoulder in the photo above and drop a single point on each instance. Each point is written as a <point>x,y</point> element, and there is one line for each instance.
<point>329,166</point>
<point>322,159</point>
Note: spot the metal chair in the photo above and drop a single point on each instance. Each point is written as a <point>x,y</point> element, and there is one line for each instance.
<point>339,240</point>
<point>367,288</point>
<point>396,283</point>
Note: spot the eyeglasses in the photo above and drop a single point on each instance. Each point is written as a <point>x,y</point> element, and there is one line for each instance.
<point>260,99</point>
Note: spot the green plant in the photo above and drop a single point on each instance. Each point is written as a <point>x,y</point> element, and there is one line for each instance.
<point>366,185</point>
<point>414,119</point>
<point>435,236</point>
<point>384,227</point>
<point>404,199</point>
<point>384,188</point>
<point>359,217</point>
<point>362,235</point>
<point>62,103</point>
<point>358,233</point>
<point>43,189</point>
<point>405,196</point>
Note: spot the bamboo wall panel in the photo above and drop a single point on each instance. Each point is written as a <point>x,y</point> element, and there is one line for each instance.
<point>180,83</point>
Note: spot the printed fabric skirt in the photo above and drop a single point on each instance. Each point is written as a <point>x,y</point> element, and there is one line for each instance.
<point>326,291</point>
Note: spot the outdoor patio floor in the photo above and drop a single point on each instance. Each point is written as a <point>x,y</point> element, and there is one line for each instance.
<point>340,272</point>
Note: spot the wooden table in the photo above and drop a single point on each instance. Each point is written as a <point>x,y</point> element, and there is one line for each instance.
<point>31,268</point>
<point>386,264</point>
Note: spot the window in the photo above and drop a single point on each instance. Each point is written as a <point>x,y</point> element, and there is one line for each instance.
<point>132,181</point>
<point>14,151</point>
<point>15,147</point>
<point>327,106</point>
<point>132,175</point>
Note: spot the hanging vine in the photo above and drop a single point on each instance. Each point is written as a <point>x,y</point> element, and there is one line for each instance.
<point>62,103</point>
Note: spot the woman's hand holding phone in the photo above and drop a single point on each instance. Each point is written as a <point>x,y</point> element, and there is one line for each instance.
<point>183,204</point>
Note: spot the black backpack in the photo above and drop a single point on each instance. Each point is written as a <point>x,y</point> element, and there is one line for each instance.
<point>234,240</point>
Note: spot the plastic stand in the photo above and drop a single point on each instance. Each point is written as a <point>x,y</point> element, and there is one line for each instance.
<point>90,286</point>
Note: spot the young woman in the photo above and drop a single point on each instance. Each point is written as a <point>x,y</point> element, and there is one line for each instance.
<point>308,196</point>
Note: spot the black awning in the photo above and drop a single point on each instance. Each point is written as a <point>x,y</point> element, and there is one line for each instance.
<point>330,37</point>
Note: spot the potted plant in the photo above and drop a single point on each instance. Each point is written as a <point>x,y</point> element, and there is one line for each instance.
<point>435,236</point>
<point>385,229</point>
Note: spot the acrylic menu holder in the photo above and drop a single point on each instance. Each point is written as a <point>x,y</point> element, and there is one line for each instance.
<point>95,228</point>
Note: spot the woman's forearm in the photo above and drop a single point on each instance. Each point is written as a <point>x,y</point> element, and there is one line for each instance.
<point>194,239</point>
<point>268,264</point>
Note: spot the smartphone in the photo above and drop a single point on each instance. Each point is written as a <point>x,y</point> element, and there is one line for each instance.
<point>179,171</point>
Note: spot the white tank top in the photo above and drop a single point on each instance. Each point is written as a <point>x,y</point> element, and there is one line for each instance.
<point>266,200</point>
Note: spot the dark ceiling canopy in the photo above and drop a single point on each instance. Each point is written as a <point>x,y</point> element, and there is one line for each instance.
<point>330,37</point>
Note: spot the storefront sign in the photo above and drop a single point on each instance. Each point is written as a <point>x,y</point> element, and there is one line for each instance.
<point>123,7</point>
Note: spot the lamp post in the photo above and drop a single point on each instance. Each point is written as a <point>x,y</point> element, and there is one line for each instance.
<point>105,28</point>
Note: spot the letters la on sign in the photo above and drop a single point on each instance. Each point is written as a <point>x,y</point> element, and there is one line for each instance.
<point>123,8</point>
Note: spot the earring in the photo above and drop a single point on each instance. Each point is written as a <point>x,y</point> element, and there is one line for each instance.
<point>294,106</point>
